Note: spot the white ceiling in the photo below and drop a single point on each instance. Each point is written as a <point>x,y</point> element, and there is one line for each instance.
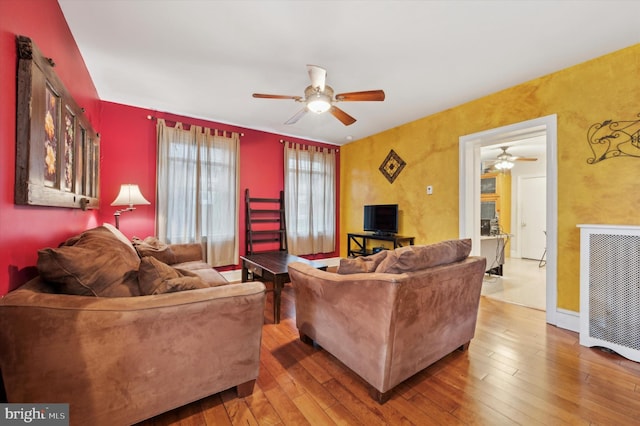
<point>204,58</point>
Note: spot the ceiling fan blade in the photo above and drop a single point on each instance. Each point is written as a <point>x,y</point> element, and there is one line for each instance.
<point>368,95</point>
<point>345,118</point>
<point>297,116</point>
<point>262,95</point>
<point>318,76</point>
<point>524,159</point>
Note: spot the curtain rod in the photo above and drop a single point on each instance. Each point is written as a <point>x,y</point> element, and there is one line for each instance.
<point>282,141</point>
<point>152,117</point>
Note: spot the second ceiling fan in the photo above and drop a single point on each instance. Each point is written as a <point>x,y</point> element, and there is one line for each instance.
<point>505,161</point>
<point>319,97</point>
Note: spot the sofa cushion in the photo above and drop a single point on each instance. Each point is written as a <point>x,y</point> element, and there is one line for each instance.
<point>202,269</point>
<point>151,246</point>
<point>362,263</point>
<point>414,258</point>
<point>156,277</point>
<point>94,263</point>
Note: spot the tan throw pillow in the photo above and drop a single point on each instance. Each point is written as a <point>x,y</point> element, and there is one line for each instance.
<point>119,235</point>
<point>151,246</point>
<point>361,264</point>
<point>155,277</point>
<point>414,258</point>
<point>94,263</point>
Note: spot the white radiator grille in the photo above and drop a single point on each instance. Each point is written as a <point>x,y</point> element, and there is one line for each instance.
<point>614,289</point>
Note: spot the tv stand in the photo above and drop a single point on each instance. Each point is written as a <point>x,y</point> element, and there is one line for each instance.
<point>357,242</point>
<point>383,234</point>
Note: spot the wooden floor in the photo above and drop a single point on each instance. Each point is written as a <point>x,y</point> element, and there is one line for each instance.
<point>518,370</point>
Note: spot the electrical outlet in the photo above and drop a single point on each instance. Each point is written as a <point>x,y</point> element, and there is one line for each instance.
<point>429,190</point>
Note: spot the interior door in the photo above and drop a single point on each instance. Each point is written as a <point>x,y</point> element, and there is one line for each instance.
<point>533,217</point>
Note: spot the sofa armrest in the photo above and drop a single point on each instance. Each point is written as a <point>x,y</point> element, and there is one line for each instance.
<point>121,360</point>
<point>187,252</point>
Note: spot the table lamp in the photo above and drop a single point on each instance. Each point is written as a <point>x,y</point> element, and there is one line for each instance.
<point>129,195</point>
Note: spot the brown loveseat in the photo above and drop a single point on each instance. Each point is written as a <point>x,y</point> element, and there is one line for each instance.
<point>119,360</point>
<point>390,315</point>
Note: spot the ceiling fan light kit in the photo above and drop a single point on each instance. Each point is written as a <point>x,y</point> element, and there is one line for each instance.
<point>318,97</point>
<point>317,101</point>
<point>504,165</point>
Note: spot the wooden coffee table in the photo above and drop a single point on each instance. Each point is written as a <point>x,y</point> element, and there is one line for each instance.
<point>272,267</point>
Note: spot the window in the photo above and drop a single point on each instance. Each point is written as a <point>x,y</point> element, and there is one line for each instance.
<point>310,194</point>
<point>197,187</point>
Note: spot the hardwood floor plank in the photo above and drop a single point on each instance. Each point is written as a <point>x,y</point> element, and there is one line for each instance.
<point>285,408</point>
<point>341,416</point>
<point>491,396</point>
<point>420,411</point>
<point>261,408</point>
<point>359,406</point>
<point>554,410</point>
<point>237,408</point>
<point>461,405</point>
<point>312,411</point>
<point>214,412</point>
<point>301,352</point>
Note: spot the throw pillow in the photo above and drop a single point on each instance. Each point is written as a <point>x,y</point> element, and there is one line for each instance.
<point>414,258</point>
<point>151,246</point>
<point>155,277</point>
<point>361,264</point>
<point>94,263</point>
<point>119,235</point>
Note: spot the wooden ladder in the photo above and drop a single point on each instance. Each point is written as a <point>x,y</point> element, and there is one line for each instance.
<point>265,225</point>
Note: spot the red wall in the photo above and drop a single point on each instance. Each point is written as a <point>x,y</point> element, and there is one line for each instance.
<point>25,229</point>
<point>128,150</point>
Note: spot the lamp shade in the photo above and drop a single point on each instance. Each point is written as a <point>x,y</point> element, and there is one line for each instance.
<point>129,195</point>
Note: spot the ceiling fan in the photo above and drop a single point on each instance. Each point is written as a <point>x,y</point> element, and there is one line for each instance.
<point>319,98</point>
<point>506,161</point>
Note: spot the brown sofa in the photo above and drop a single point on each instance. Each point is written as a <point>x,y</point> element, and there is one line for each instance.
<point>119,360</point>
<point>390,315</point>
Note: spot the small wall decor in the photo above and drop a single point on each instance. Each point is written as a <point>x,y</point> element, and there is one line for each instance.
<point>392,166</point>
<point>57,151</point>
<point>611,139</point>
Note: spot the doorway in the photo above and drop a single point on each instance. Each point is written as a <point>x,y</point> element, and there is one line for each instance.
<point>469,191</point>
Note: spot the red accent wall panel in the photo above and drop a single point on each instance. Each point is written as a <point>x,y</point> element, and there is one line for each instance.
<point>25,229</point>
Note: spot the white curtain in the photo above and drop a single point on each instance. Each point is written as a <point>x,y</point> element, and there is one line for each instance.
<point>197,175</point>
<point>310,198</point>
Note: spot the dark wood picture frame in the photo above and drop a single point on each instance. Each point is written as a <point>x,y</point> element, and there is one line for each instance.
<point>57,150</point>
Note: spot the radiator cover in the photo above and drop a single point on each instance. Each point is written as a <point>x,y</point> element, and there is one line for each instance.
<point>610,288</point>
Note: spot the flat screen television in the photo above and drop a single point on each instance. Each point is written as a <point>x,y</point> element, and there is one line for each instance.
<point>381,219</point>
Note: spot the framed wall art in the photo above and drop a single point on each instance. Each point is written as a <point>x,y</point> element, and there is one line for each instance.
<point>57,150</point>
<point>392,166</point>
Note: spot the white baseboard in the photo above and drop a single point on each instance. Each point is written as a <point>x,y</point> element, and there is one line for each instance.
<point>569,320</point>
<point>235,276</point>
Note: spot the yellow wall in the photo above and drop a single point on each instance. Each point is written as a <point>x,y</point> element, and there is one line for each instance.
<point>604,88</point>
